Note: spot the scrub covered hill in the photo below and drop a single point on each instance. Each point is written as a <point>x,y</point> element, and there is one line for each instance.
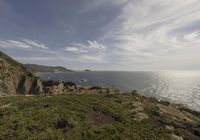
<point>42,68</point>
<point>96,117</point>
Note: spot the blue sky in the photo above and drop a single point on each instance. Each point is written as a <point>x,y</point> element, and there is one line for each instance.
<point>103,35</point>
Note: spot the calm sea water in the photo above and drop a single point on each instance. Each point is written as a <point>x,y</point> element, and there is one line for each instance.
<point>175,86</point>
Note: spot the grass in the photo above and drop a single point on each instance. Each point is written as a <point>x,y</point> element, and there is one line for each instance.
<point>64,117</point>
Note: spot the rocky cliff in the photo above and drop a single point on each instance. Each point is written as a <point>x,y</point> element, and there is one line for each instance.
<point>16,79</point>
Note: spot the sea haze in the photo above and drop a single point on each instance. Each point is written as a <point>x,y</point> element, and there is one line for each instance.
<point>175,86</point>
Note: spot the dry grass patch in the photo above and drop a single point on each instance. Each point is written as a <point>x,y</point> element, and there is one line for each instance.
<point>96,119</point>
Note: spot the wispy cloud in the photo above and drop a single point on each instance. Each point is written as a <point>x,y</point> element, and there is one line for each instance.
<point>90,52</point>
<point>24,44</point>
<point>129,34</point>
<point>90,46</point>
<point>92,58</point>
<point>152,29</point>
<point>80,58</point>
<point>36,58</point>
<point>35,44</point>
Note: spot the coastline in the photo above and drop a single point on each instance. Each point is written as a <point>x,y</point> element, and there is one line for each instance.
<point>177,87</point>
<point>108,90</point>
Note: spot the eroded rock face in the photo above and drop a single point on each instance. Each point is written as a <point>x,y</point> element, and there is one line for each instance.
<point>15,78</point>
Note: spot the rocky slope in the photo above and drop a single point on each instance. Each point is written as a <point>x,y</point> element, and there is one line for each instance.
<point>15,78</point>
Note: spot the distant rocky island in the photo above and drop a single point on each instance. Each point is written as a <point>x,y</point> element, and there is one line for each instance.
<point>87,70</point>
<point>41,68</point>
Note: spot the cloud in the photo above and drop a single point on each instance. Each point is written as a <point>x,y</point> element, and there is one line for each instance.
<point>90,52</point>
<point>90,46</point>
<point>96,46</point>
<point>130,34</point>
<point>35,44</point>
<point>37,58</point>
<point>92,58</point>
<point>24,44</point>
<point>153,29</point>
<point>73,49</point>
<point>192,36</point>
<point>80,58</point>
<point>146,33</point>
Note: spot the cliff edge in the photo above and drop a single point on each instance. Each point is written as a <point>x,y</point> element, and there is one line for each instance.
<point>16,79</point>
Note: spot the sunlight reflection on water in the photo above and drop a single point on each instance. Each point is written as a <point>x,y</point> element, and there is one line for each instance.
<point>180,87</point>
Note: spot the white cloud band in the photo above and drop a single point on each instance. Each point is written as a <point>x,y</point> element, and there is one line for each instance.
<point>24,44</point>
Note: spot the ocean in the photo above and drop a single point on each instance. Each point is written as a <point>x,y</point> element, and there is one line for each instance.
<point>175,86</point>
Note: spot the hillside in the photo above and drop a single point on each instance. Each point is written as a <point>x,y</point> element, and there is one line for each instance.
<point>96,117</point>
<point>42,68</point>
<point>15,78</point>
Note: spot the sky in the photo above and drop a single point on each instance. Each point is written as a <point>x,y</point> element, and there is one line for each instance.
<point>120,35</point>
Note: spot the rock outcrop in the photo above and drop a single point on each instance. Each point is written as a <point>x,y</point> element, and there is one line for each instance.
<point>16,79</point>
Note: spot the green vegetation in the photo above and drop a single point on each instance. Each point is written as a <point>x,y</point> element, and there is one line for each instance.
<point>85,117</point>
